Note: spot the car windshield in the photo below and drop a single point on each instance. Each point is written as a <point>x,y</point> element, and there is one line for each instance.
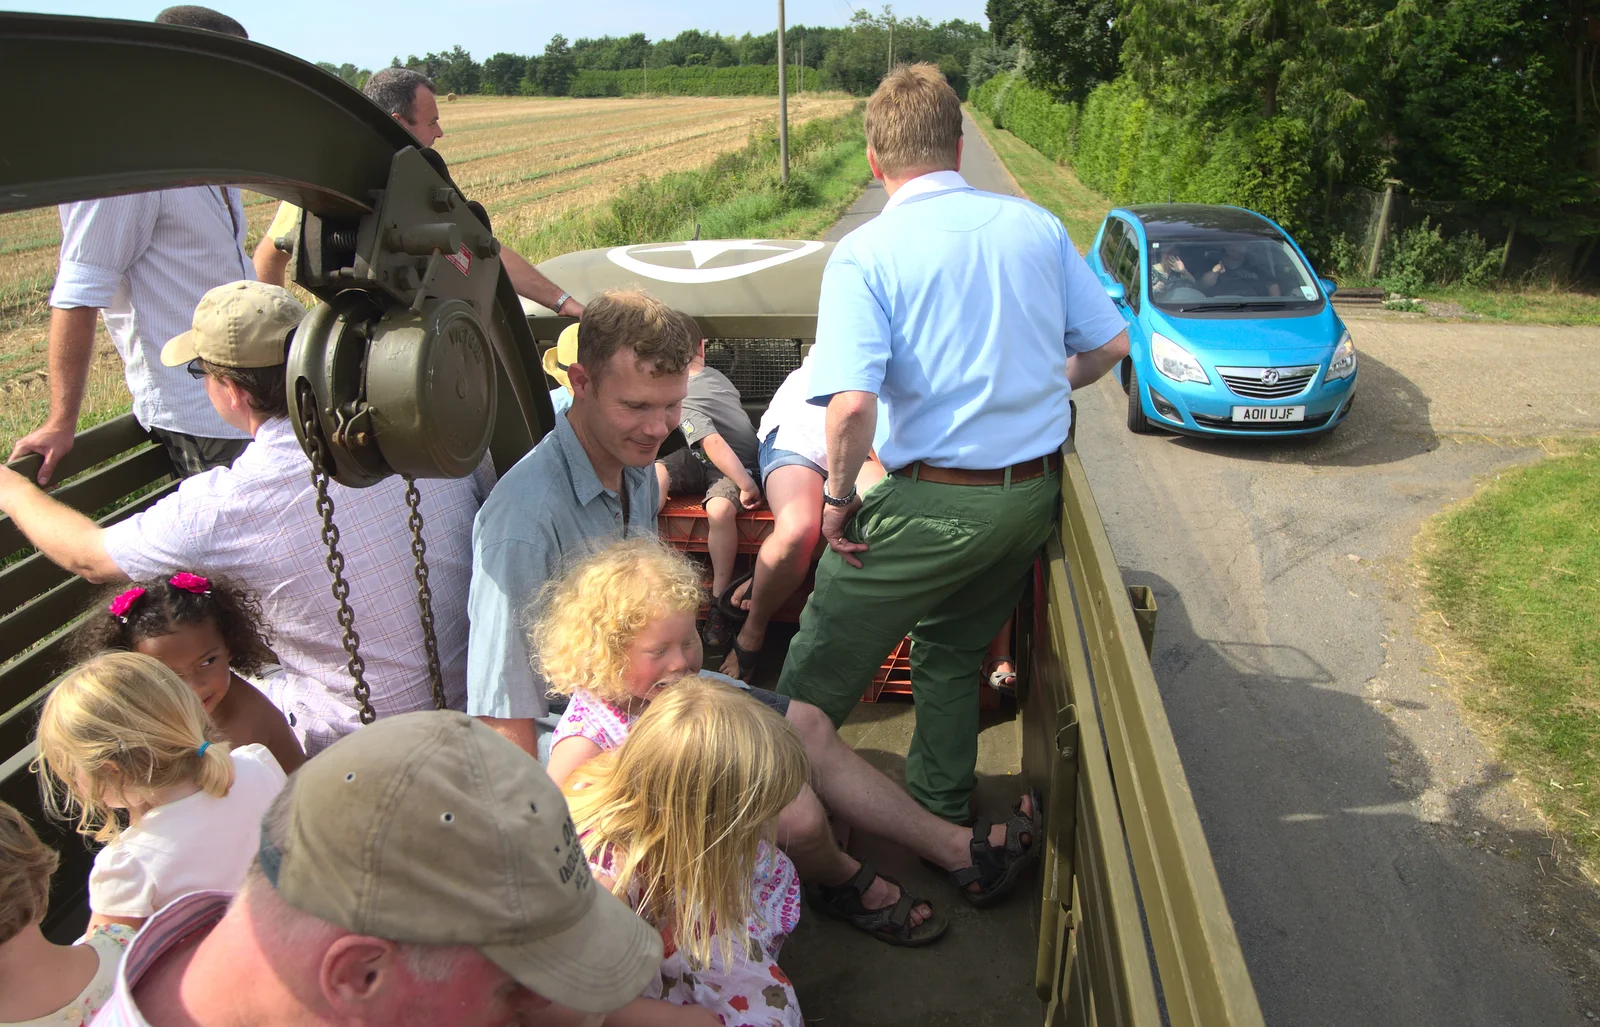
<point>1229,273</point>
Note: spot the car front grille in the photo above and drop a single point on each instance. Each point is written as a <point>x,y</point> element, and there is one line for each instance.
<point>1254,383</point>
<point>755,366</point>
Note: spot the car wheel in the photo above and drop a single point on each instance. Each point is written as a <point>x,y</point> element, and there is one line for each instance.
<point>1138,423</point>
<point>1127,368</point>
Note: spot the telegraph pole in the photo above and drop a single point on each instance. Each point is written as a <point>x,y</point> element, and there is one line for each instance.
<point>646,64</point>
<point>783,102</point>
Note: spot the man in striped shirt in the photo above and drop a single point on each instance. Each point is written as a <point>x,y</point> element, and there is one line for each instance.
<point>143,260</point>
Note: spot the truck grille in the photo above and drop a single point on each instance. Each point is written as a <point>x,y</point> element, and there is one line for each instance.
<point>1268,382</point>
<point>755,366</point>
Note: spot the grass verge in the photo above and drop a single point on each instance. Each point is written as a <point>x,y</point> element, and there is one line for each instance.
<point>1514,573</point>
<point>1522,306</point>
<point>738,195</point>
<point>1052,186</point>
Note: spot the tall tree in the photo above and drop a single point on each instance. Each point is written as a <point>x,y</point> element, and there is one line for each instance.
<point>556,67</point>
<point>1002,15</point>
<point>503,72</point>
<point>455,71</point>
<point>1072,45</point>
<point>1484,115</point>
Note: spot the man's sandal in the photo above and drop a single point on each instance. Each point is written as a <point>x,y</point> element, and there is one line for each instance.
<point>730,609</point>
<point>890,924</point>
<point>725,618</point>
<point>998,869</point>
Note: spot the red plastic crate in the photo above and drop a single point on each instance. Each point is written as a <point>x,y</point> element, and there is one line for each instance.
<point>683,524</point>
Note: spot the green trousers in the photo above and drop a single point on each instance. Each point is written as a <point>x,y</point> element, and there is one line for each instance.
<point>946,565</point>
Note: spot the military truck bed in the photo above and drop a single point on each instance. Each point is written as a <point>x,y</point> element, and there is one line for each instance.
<point>981,971</point>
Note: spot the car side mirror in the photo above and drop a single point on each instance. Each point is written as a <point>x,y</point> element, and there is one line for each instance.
<point>1116,292</point>
<point>1328,286</point>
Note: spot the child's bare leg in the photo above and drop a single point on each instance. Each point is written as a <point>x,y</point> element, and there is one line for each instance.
<point>794,494</point>
<point>804,834</point>
<point>722,541</point>
<point>661,480</point>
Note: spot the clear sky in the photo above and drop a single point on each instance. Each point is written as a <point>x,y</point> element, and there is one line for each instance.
<point>370,32</point>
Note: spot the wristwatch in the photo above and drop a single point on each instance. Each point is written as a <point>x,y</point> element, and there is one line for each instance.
<point>844,500</point>
<point>562,301</point>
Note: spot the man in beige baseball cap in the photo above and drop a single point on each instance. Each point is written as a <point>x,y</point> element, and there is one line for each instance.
<point>241,324</point>
<point>423,870</point>
<point>257,523</point>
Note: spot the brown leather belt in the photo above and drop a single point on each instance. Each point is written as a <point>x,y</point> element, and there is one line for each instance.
<point>1025,471</point>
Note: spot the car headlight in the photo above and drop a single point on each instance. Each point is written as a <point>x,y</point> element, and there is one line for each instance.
<point>1343,363</point>
<point>1175,362</point>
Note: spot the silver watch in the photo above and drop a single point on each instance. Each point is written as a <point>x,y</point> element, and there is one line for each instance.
<point>844,500</point>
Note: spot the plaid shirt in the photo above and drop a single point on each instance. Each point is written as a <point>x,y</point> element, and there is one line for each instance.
<point>257,524</point>
<point>177,922</point>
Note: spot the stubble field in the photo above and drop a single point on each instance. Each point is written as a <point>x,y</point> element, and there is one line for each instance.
<point>525,159</point>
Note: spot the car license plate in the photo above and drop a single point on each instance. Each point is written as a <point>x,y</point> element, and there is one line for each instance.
<point>1253,415</point>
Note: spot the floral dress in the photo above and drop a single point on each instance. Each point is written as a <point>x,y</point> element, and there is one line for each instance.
<point>752,991</point>
<point>108,942</point>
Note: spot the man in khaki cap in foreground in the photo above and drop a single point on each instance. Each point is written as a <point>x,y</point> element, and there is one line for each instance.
<point>256,523</point>
<point>422,871</point>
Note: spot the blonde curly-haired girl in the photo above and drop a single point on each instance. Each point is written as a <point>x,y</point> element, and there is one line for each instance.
<point>122,734</point>
<point>618,633</point>
<point>680,823</point>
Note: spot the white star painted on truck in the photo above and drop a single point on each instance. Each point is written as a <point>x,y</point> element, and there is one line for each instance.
<point>702,251</point>
<point>706,250</point>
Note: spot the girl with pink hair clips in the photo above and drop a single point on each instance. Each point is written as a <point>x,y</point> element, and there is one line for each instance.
<point>207,632</point>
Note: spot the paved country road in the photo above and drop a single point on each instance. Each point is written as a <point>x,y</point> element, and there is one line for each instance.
<point>1379,868</point>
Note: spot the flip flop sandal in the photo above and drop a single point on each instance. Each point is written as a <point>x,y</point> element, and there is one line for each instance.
<point>998,869</point>
<point>725,604</point>
<point>746,658</point>
<point>997,679</point>
<point>890,924</point>
<point>719,629</point>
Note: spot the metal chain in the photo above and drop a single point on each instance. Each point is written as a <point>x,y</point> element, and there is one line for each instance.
<point>419,550</point>
<point>330,538</point>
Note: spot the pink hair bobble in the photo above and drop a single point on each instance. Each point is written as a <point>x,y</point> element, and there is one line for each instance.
<point>123,603</point>
<point>190,583</point>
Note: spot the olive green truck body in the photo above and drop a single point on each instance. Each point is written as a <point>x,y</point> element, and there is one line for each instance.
<point>1133,926</point>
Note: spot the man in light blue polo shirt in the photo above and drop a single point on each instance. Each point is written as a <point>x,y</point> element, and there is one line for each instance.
<point>972,317</point>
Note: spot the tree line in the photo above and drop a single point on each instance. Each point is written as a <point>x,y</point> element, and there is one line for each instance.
<point>851,58</point>
<point>1483,114</point>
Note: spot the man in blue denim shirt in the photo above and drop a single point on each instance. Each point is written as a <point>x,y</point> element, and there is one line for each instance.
<point>972,317</point>
<point>589,482</point>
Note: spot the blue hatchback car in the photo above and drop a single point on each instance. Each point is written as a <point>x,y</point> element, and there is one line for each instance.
<point>1230,332</point>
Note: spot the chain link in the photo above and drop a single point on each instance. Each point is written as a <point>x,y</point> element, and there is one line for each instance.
<point>419,550</point>
<point>330,538</point>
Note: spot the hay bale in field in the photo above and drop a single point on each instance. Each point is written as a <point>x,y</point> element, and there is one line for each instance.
<point>449,98</point>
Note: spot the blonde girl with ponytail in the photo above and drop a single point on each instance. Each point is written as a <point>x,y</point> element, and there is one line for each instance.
<point>126,749</point>
<point>681,822</point>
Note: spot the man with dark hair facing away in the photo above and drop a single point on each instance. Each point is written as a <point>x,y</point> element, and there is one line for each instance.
<point>143,260</point>
<point>409,97</point>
